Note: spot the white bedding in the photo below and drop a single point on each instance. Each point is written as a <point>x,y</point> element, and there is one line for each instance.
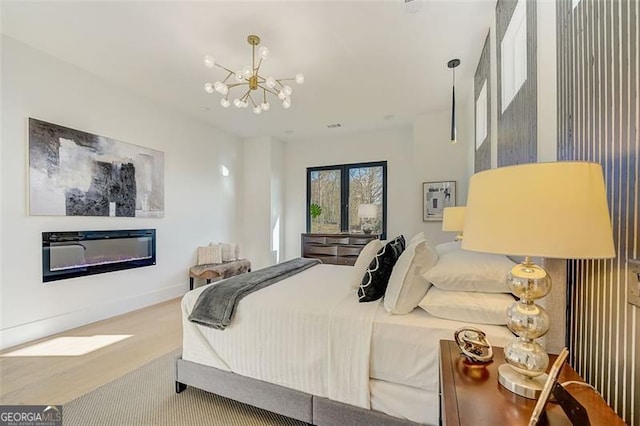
<point>280,335</point>
<point>307,332</point>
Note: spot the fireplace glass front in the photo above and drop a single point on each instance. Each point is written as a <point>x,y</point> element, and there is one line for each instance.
<point>78,253</point>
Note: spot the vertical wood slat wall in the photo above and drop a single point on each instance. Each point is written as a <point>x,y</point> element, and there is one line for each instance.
<point>517,125</point>
<point>482,157</point>
<point>598,120</point>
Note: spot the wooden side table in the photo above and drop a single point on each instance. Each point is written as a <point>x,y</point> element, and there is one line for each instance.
<point>471,395</point>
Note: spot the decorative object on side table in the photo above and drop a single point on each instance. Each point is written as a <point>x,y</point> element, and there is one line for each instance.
<point>436,196</point>
<point>555,210</point>
<point>453,221</point>
<point>473,344</point>
<point>368,214</point>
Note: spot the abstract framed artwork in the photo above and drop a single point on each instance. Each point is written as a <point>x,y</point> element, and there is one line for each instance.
<point>74,173</point>
<point>435,197</point>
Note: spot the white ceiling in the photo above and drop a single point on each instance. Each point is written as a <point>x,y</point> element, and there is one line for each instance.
<point>362,60</point>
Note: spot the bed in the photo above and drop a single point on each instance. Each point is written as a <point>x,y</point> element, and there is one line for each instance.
<point>306,348</point>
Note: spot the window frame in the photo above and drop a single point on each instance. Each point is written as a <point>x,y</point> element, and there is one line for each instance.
<point>344,192</point>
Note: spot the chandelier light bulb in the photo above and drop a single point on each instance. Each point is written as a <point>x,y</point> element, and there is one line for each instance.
<point>209,62</point>
<point>246,79</point>
<point>221,88</point>
<point>263,51</point>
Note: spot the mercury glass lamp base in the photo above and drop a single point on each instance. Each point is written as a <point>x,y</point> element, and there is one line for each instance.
<point>519,384</point>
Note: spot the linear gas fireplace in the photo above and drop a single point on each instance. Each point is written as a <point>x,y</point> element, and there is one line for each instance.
<point>74,254</point>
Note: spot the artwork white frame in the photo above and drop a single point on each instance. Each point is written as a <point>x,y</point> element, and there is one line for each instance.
<point>435,197</point>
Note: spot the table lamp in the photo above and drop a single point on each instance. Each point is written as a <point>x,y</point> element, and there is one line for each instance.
<point>453,220</point>
<point>367,214</point>
<point>552,210</point>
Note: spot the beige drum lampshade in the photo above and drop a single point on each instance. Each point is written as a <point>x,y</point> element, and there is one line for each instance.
<point>453,219</point>
<point>555,210</point>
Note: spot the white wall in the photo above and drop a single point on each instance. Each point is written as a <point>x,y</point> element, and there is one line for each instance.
<point>436,159</point>
<point>277,201</point>
<point>200,205</point>
<point>263,195</point>
<point>413,154</point>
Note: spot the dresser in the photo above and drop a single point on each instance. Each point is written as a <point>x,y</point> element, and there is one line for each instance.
<point>335,249</point>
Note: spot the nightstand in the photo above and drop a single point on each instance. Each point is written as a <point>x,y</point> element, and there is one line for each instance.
<point>471,395</point>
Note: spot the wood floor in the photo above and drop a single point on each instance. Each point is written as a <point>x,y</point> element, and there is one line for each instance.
<point>37,380</point>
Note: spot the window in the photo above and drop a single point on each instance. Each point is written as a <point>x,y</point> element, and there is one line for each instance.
<point>514,54</point>
<point>481,116</point>
<point>347,198</point>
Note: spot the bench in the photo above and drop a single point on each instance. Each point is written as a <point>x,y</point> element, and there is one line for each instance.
<point>218,270</point>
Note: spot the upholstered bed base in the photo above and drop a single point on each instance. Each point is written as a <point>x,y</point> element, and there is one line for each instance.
<point>288,402</point>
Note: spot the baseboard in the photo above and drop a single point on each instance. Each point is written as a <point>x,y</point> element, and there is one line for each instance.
<point>46,327</point>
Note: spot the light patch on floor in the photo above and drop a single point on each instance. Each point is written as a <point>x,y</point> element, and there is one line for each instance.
<point>68,346</point>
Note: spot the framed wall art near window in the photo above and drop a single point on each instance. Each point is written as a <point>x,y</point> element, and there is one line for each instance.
<point>435,197</point>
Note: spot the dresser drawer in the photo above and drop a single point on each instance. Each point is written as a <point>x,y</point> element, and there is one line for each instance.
<point>327,260</point>
<point>313,240</point>
<point>349,251</point>
<point>317,249</point>
<point>337,240</point>
<point>349,260</point>
<point>363,241</point>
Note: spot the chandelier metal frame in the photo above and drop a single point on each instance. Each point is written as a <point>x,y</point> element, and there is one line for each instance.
<point>250,77</point>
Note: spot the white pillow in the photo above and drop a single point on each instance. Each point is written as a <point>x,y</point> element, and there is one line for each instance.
<point>464,270</point>
<point>362,262</point>
<point>473,307</point>
<point>448,247</point>
<point>229,251</point>
<point>407,286</point>
<point>209,254</point>
<point>418,237</point>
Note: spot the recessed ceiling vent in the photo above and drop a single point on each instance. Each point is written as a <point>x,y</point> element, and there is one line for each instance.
<point>334,125</point>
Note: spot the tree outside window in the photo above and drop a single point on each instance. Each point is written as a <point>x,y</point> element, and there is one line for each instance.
<point>335,193</point>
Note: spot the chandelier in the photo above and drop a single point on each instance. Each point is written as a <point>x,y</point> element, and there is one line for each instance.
<point>249,78</point>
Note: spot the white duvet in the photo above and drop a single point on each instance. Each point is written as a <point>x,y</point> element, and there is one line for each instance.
<point>307,332</point>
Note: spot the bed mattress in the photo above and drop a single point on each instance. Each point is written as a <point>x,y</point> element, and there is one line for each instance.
<point>403,356</point>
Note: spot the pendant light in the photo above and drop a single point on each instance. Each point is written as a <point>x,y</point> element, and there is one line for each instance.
<point>453,64</point>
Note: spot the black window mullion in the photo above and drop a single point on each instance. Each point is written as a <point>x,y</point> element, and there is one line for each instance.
<point>344,198</point>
